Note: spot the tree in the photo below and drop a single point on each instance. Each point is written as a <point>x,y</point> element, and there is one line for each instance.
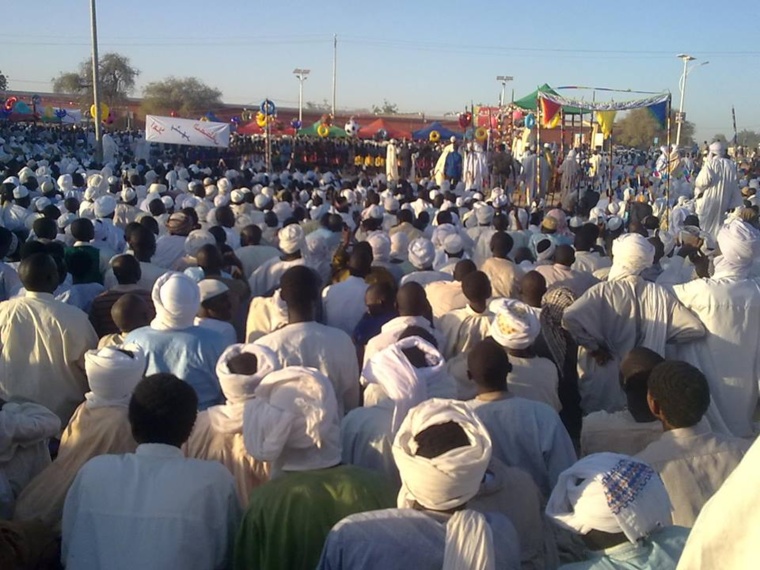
<point>3,82</point>
<point>721,138</point>
<point>639,129</point>
<point>748,138</point>
<point>386,108</point>
<point>186,96</point>
<point>117,80</point>
<point>324,106</point>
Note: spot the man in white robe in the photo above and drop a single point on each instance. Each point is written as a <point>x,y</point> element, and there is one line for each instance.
<point>421,256</point>
<point>561,274</point>
<point>165,501</point>
<point>525,434</point>
<point>692,460</point>
<point>391,162</point>
<point>305,342</point>
<point>475,167</point>
<point>716,189</point>
<point>615,316</point>
<point>43,342</point>
<point>267,276</point>
<point>728,303</point>
<point>586,259</point>
<point>504,275</point>
<point>570,170</point>
<point>343,303</point>
<point>446,296</point>
<point>439,171</point>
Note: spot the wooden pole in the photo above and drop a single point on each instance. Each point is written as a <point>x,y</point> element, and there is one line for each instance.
<point>667,183</point>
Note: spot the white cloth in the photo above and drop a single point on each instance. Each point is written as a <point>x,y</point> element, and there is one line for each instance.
<point>291,238</point>
<point>112,373</point>
<point>150,509</point>
<point>293,421</point>
<point>590,261</point>
<point>169,250</point>
<point>445,296</point>
<point>448,481</point>
<point>515,325</point>
<point>421,253</point>
<point>343,303</point>
<point>329,350</point>
<point>611,493</point>
<point>391,331</point>
<point>631,254</point>
<point>739,245</point>
<point>717,191</point>
<point>266,277</point>
<point>617,432</point>
<point>462,330</point>
<point>534,379</point>
<point>177,299</point>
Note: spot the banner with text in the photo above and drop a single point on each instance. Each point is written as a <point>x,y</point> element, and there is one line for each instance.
<point>186,131</point>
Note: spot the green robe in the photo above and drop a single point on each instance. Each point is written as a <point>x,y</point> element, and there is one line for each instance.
<point>288,518</point>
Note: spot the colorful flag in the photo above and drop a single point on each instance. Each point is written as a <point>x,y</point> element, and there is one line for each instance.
<point>606,120</point>
<point>549,110</point>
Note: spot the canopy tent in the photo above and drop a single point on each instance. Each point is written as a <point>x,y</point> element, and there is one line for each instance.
<point>369,131</point>
<point>249,129</point>
<point>335,132</point>
<point>530,102</point>
<point>445,133</point>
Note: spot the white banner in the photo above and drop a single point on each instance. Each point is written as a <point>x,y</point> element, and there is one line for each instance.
<point>186,131</point>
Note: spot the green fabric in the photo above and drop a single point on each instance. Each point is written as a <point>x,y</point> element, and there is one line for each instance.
<point>335,132</point>
<point>93,275</point>
<point>529,102</point>
<point>288,518</point>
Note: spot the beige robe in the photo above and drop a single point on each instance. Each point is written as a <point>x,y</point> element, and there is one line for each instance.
<point>504,275</point>
<point>91,432</point>
<point>445,296</point>
<point>617,432</point>
<point>462,330</point>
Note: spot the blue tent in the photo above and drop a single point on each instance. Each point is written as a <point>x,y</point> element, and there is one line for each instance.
<point>436,126</point>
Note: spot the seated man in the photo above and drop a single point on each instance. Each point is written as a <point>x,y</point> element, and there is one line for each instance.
<point>505,276</point>
<point>153,508</point>
<point>380,302</point>
<point>446,296</point>
<point>305,342</point>
<point>129,313</point>
<point>692,461</point>
<point>628,431</point>
<point>525,434</point>
<point>293,423</point>
<point>421,256</point>
<point>98,427</point>
<point>442,451</point>
<point>218,432</point>
<point>464,328</point>
<point>215,312</point>
<point>174,345</point>
<point>343,303</point>
<point>266,277</point>
<point>82,291</point>
<point>621,509</point>
<point>516,327</point>
<point>561,274</point>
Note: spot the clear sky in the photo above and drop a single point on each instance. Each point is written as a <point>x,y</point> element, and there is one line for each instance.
<point>425,56</point>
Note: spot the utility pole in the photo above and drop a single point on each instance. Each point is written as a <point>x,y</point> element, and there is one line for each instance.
<point>681,118</point>
<point>302,75</point>
<point>96,84</point>
<point>503,79</point>
<point>335,72</point>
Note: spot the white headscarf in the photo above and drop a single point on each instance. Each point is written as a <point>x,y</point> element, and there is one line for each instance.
<point>448,481</point>
<point>631,254</point>
<point>113,374</point>
<point>739,244</point>
<point>291,238</point>
<point>515,324</point>
<point>548,252</point>
<point>612,493</point>
<point>177,300</point>
<point>196,239</point>
<point>421,253</point>
<point>381,247</point>
<point>293,421</point>
<point>399,245</point>
<point>237,388</point>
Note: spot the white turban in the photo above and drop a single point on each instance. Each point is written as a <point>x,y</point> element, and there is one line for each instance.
<point>238,388</point>
<point>421,253</point>
<point>283,211</point>
<point>291,238</point>
<point>483,213</point>
<point>177,300</point>
<point>260,201</point>
<point>128,194</point>
<point>399,245</point>
<point>631,254</point>
<point>65,182</point>
<point>112,373</point>
<point>449,480</point>
<point>716,149</point>
<point>453,244</point>
<point>515,324</point>
<point>293,421</point>
<point>739,244</point>
<point>611,493</point>
<point>548,252</point>
<point>381,247</point>
<point>105,206</point>
<point>441,233</point>
<point>196,239</point>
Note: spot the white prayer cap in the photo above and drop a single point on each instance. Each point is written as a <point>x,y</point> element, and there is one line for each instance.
<point>25,174</point>
<point>177,300</point>
<point>260,201</point>
<point>128,194</point>
<point>157,188</point>
<point>112,373</point>
<point>291,238</point>
<point>433,194</point>
<point>668,241</point>
<point>105,206</point>
<point>41,203</point>
<point>611,493</point>
<point>381,246</point>
<point>515,325</point>
<point>283,211</point>
<point>390,204</point>
<point>399,245</point>
<point>221,200</point>
<point>575,222</point>
<point>614,223</point>
<point>441,232</point>
<point>237,197</point>
<point>267,191</point>
<point>451,479</point>
<point>374,212</point>
<point>613,207</point>
<point>96,181</point>
<point>716,148</point>
<point>453,244</point>
<point>631,254</point>
<point>47,186</point>
<point>501,201</point>
<point>483,213</point>
<point>240,387</point>
<point>208,182</point>
<point>293,421</point>
<point>210,191</point>
<point>223,185</point>
<point>210,288</point>
<point>421,253</point>
<point>66,219</point>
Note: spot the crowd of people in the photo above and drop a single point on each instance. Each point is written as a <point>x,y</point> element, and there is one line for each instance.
<point>487,359</point>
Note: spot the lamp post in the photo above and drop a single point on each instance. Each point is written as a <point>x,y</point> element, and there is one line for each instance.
<point>301,75</point>
<point>686,58</point>
<point>503,79</point>
<point>96,83</point>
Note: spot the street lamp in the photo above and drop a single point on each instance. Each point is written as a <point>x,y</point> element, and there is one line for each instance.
<point>686,58</point>
<point>301,75</point>
<point>503,79</point>
<point>96,83</point>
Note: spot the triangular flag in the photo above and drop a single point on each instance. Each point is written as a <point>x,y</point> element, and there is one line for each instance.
<point>554,122</point>
<point>606,119</point>
<point>660,112</point>
<point>549,110</point>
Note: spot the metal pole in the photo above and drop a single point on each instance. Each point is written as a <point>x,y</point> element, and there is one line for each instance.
<point>96,83</point>
<point>335,72</point>
<point>682,86</point>
<point>300,99</point>
<point>667,183</point>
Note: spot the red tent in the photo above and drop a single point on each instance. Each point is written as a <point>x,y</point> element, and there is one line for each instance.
<point>249,129</point>
<point>369,131</point>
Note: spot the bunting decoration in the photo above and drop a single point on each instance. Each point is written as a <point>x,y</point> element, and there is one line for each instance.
<point>660,113</point>
<point>605,105</point>
<point>606,119</point>
<point>549,111</point>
